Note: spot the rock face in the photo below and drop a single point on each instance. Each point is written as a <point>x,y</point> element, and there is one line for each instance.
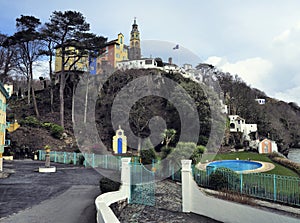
<point>167,208</point>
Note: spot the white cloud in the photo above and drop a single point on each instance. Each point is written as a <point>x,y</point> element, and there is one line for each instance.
<point>289,95</point>
<point>286,46</point>
<point>41,69</point>
<point>282,37</point>
<point>253,70</point>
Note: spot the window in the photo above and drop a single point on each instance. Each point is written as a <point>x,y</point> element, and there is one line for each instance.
<point>148,62</point>
<point>118,55</point>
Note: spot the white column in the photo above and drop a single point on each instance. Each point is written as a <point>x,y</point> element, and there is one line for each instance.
<point>1,164</point>
<point>186,177</point>
<point>125,175</point>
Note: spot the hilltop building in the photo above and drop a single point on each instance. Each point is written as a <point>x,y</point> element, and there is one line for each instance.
<point>115,51</point>
<point>73,63</point>
<point>3,99</point>
<point>261,101</point>
<point>238,124</point>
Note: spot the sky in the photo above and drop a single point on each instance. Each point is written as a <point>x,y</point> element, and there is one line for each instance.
<point>257,40</point>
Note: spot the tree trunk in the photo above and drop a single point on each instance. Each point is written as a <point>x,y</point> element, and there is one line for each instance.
<point>61,97</point>
<point>62,89</point>
<point>51,98</point>
<point>28,90</point>
<point>139,145</point>
<point>86,100</point>
<point>73,103</point>
<point>33,94</point>
<point>52,80</point>
<point>35,104</point>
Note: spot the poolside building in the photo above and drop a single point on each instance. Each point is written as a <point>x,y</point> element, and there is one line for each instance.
<point>267,146</point>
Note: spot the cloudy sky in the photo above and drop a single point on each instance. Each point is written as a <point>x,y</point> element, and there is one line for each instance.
<point>257,39</point>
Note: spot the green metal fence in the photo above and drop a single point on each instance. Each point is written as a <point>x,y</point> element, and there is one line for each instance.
<point>86,159</point>
<point>265,186</point>
<point>142,185</point>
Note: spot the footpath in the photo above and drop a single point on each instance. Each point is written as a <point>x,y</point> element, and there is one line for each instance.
<point>67,196</point>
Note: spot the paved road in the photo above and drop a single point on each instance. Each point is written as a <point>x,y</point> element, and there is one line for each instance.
<point>66,196</point>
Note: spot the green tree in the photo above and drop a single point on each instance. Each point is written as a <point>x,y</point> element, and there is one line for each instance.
<point>197,154</point>
<point>7,58</point>
<point>183,150</point>
<point>147,153</point>
<point>49,51</point>
<point>69,30</point>
<point>28,45</point>
<point>168,136</point>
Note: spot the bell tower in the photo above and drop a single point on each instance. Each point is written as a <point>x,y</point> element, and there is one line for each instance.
<point>135,48</point>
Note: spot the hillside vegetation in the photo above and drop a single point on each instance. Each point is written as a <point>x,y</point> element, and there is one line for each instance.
<point>277,120</point>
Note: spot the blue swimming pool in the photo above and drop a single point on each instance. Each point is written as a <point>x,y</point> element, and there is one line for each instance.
<point>235,165</point>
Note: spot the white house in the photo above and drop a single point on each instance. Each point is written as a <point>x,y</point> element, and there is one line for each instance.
<point>238,124</point>
<point>261,101</point>
<point>267,146</point>
<point>137,64</point>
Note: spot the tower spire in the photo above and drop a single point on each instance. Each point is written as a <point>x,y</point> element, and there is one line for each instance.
<point>134,52</point>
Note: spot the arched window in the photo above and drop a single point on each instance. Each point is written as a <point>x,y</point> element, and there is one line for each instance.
<point>232,125</point>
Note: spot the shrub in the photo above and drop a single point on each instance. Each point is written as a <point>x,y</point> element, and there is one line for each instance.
<point>108,185</point>
<point>166,151</point>
<point>30,121</point>
<point>147,156</point>
<point>197,154</point>
<point>217,181</point>
<point>147,153</point>
<point>285,162</point>
<point>56,130</point>
<point>47,125</point>
<point>224,179</point>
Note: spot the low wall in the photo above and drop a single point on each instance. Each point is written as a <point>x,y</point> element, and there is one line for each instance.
<point>104,212</point>
<point>196,201</point>
<point>102,202</point>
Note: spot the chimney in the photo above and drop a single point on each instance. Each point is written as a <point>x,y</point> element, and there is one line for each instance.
<point>170,60</point>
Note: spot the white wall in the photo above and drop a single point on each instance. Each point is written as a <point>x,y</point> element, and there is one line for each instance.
<point>102,202</point>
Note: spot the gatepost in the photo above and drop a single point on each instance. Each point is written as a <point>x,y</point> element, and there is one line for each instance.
<point>186,177</point>
<point>125,175</point>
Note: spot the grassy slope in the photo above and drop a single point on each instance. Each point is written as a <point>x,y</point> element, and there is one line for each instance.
<point>279,169</point>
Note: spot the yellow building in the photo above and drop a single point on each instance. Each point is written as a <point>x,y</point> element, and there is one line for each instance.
<point>81,64</point>
<point>115,51</point>
<point>3,97</point>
